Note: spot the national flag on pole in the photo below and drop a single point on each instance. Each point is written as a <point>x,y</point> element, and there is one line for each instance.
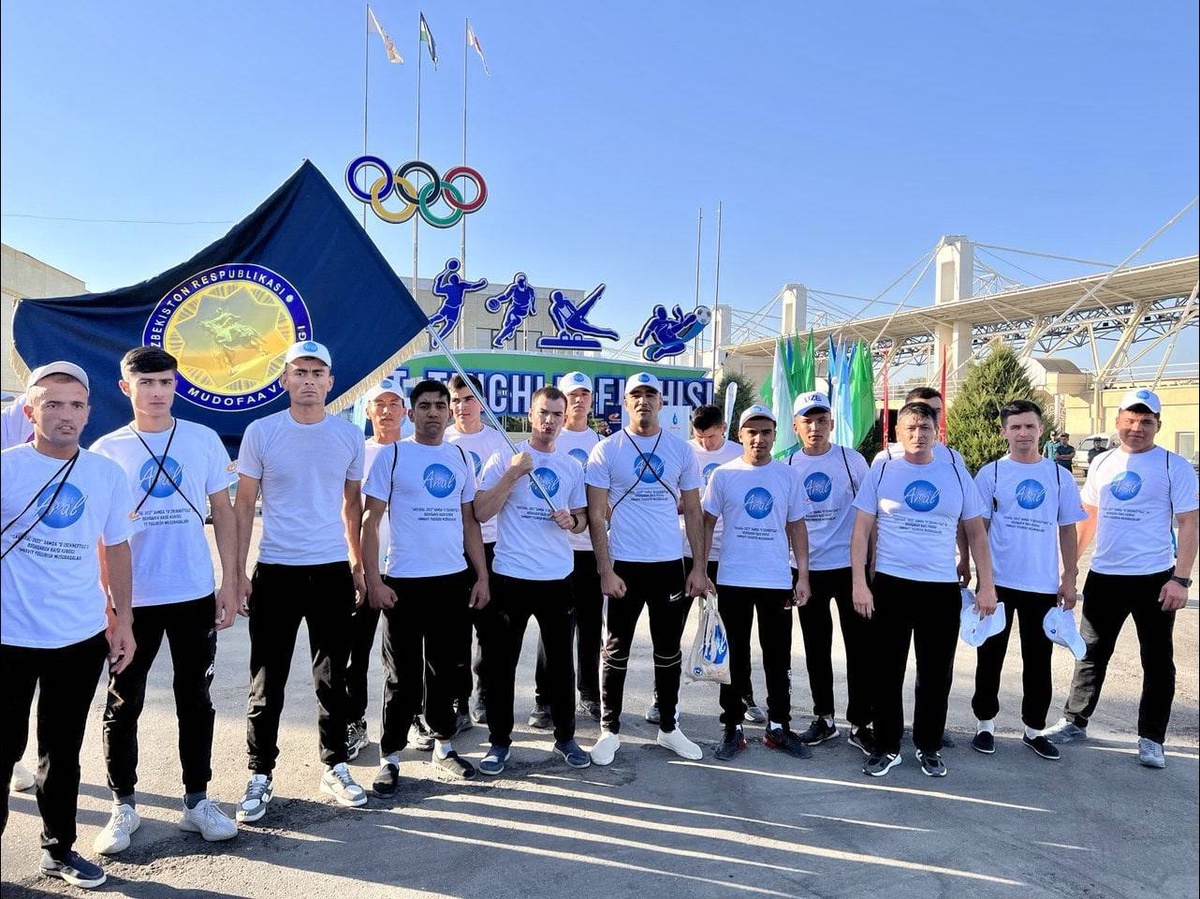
<point>473,41</point>
<point>427,37</point>
<point>389,45</point>
<point>777,395</point>
<point>862,391</point>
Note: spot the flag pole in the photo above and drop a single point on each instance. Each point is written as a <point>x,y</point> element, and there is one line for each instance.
<point>716,288</point>
<point>366,88</point>
<point>699,233</point>
<point>417,157</point>
<point>460,335</point>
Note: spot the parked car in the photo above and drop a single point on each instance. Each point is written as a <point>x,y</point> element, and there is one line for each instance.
<point>1091,446</point>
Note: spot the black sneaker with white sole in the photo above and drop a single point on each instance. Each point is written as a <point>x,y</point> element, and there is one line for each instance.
<point>818,732</point>
<point>387,781</point>
<point>74,869</point>
<point>454,764</point>
<point>880,763</point>
<point>1042,747</point>
<point>863,739</point>
<point>985,742</point>
<point>931,764</point>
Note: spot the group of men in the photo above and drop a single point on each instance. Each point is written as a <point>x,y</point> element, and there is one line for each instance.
<point>452,531</point>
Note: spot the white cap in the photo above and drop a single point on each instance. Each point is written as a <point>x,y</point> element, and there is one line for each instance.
<point>1059,626</point>
<point>574,380</point>
<point>387,385</point>
<point>308,349</point>
<point>1143,397</point>
<point>807,402</point>
<point>58,368</point>
<point>973,627</point>
<point>758,410</point>
<point>642,379</point>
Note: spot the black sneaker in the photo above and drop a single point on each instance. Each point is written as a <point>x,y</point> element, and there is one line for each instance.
<point>753,713</point>
<point>462,722</point>
<point>931,764</point>
<point>1042,747</point>
<point>356,738</point>
<point>863,739</point>
<point>591,708</point>
<point>947,741</point>
<point>732,743</point>
<point>540,717</point>
<point>985,742</point>
<point>880,763</point>
<point>652,715</point>
<point>818,732</point>
<point>74,869</point>
<point>386,781</point>
<point>457,766</point>
<point>782,738</point>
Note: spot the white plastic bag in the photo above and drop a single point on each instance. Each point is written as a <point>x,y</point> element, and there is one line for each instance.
<point>709,658</point>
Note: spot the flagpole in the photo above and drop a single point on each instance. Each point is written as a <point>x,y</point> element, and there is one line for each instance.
<point>366,88</point>
<point>417,157</point>
<point>716,286</point>
<point>460,336</point>
<point>699,227</point>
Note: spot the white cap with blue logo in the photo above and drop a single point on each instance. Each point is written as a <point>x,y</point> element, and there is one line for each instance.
<point>574,380</point>
<point>642,379</point>
<point>758,410</point>
<point>1143,397</point>
<point>808,402</point>
<point>387,385</point>
<point>308,349</point>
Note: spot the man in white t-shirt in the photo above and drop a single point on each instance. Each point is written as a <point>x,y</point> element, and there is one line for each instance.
<point>537,497</point>
<point>427,486</point>
<point>384,406</point>
<point>177,471</point>
<point>15,427</point>
<point>308,466</point>
<point>1133,495</point>
<point>636,480</point>
<point>480,443</point>
<point>831,476</point>
<point>916,502</point>
<point>1030,507</point>
<point>763,506</point>
<point>587,620</point>
<point>57,625</point>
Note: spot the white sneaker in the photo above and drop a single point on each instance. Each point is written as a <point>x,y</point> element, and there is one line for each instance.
<point>209,821</point>
<point>22,779</point>
<point>680,745</point>
<point>114,837</point>
<point>259,790</point>
<point>606,748</point>
<point>338,783</point>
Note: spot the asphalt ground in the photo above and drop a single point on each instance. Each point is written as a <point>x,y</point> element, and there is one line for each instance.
<point>1095,824</point>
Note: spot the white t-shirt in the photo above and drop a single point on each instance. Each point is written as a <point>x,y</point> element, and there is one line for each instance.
<point>830,481</point>
<point>371,450</point>
<point>917,509</point>
<point>1136,498</point>
<point>425,488</point>
<point>578,444</point>
<point>1027,502</point>
<point>15,427</point>
<point>941,452</point>
<point>480,447</point>
<point>302,472</point>
<point>171,559</point>
<point>756,502</point>
<point>708,460</point>
<point>50,594</point>
<point>529,544</point>
<point>644,477</point>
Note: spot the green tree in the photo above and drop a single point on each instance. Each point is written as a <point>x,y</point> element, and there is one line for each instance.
<point>973,422</point>
<point>747,393</point>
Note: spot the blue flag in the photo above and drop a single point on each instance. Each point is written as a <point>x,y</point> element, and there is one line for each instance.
<point>297,268</point>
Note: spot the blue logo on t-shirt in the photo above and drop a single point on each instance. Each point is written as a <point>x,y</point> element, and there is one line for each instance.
<point>1030,494</point>
<point>543,483</point>
<point>579,456</point>
<point>648,468</point>
<point>921,496</point>
<point>1126,485</point>
<point>476,461</point>
<point>172,472</point>
<point>818,486</point>
<point>758,502</point>
<point>709,469</point>
<point>67,508</point>
<point>440,481</point>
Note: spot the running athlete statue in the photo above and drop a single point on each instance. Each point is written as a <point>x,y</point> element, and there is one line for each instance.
<point>521,298</point>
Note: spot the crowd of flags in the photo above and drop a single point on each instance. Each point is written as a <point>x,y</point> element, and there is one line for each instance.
<point>851,377</point>
<point>425,37</point>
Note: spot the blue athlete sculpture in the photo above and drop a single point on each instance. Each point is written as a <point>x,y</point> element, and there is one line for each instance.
<point>450,286</point>
<point>521,298</point>
<point>667,335</point>
<point>575,332</point>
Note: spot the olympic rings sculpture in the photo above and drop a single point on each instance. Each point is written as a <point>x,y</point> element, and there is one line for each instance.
<point>416,200</point>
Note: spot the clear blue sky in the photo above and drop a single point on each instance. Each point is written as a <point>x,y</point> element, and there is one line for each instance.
<point>842,138</point>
